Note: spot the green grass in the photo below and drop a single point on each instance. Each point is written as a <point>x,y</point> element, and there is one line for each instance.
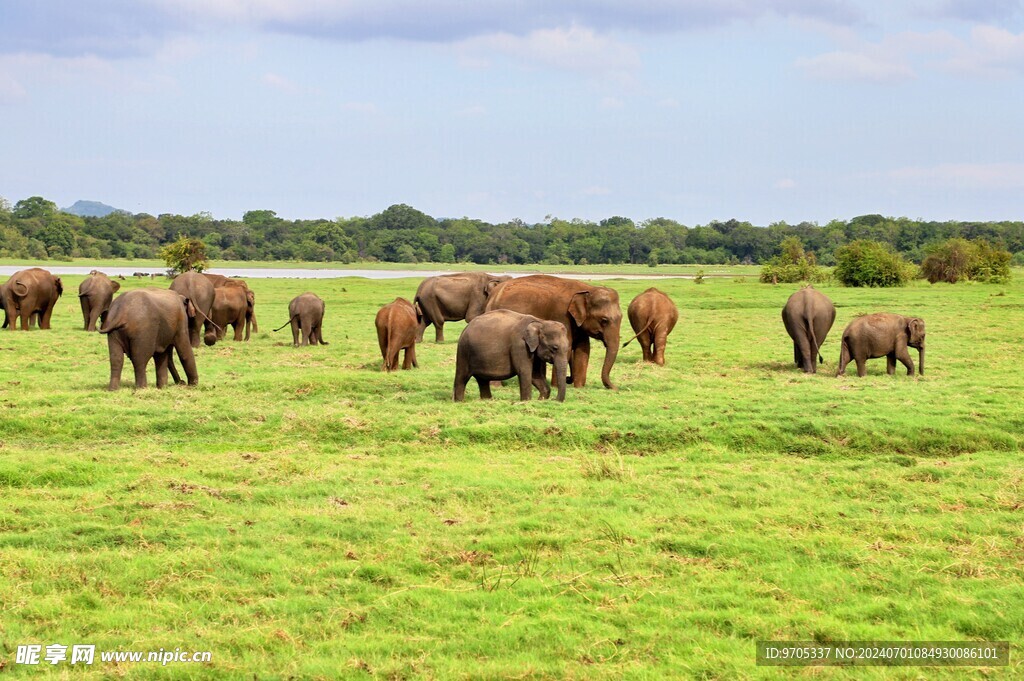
<point>303,515</point>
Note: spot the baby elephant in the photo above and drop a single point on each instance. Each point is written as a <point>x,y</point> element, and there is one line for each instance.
<point>502,344</point>
<point>150,324</point>
<point>883,335</point>
<point>306,314</point>
<point>653,315</point>
<point>397,328</point>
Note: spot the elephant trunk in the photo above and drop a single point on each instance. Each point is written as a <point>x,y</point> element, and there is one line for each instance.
<point>920,360</point>
<point>561,369</point>
<point>611,344</point>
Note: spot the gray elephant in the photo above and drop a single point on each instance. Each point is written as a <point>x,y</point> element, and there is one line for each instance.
<point>199,291</point>
<point>883,335</point>
<point>502,344</point>
<point>30,295</point>
<point>306,314</point>
<point>95,294</point>
<point>396,325</point>
<point>653,315</point>
<point>150,323</point>
<point>808,316</point>
<point>452,297</point>
<point>219,281</point>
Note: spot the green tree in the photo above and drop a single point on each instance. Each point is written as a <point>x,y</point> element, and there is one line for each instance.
<point>185,254</point>
<point>34,207</point>
<point>871,263</point>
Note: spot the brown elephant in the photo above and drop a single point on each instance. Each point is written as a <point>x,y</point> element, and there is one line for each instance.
<point>150,323</point>
<point>397,327</point>
<point>30,295</point>
<point>452,297</point>
<point>197,289</point>
<point>219,280</point>
<point>653,315</point>
<point>306,314</point>
<point>230,306</point>
<point>95,294</point>
<point>586,311</point>
<point>808,316</point>
<point>501,344</point>
<point>883,335</point>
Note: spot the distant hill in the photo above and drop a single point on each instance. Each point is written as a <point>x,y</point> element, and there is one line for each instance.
<point>90,209</point>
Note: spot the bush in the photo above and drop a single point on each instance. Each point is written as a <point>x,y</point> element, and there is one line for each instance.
<point>871,263</point>
<point>187,253</point>
<point>957,259</point>
<point>792,265</point>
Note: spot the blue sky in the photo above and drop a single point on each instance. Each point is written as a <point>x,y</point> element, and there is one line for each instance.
<point>688,109</point>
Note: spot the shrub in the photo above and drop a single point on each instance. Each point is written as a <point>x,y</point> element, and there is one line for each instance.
<point>957,259</point>
<point>792,265</point>
<point>187,253</point>
<point>871,263</point>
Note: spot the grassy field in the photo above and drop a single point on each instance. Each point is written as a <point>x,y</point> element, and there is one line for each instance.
<point>302,515</point>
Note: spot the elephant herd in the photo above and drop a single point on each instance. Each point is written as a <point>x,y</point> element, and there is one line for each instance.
<point>515,327</point>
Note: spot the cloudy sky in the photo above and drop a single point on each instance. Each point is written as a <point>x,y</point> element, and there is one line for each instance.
<point>499,109</point>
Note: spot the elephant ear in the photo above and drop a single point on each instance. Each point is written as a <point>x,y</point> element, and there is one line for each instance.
<point>115,287</point>
<point>578,307</point>
<point>250,297</point>
<point>60,286</point>
<point>489,286</point>
<point>532,336</point>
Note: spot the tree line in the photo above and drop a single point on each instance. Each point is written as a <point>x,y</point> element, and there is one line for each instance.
<point>34,228</point>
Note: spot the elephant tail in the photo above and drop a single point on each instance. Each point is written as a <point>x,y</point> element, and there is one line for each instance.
<point>290,319</point>
<point>109,326</point>
<point>649,325</point>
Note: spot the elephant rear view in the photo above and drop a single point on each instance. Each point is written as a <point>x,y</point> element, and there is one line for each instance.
<point>31,295</point>
<point>451,298</point>
<point>95,294</point>
<point>150,323</point>
<point>808,316</point>
<point>653,315</point>
<point>306,315</point>
<point>198,289</point>
<point>883,335</point>
<point>397,327</point>
<point>219,281</point>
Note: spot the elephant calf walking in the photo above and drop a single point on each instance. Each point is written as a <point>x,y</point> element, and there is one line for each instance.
<point>306,314</point>
<point>502,344</point>
<point>150,324</point>
<point>653,315</point>
<point>883,335</point>
<point>397,328</point>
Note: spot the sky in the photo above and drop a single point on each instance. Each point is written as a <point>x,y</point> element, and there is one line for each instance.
<point>694,110</point>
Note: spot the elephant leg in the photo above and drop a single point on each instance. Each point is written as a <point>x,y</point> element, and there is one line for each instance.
<point>27,319</point>
<point>188,360</point>
<point>295,331</point>
<point>461,379</point>
<point>410,359</point>
<point>580,361</point>
<point>797,359</point>
<point>44,321</point>
<point>307,330</point>
<point>87,319</point>
<point>439,331</point>
<point>660,341</point>
<point>862,366</point>
<point>139,362</point>
<point>161,359</point>
<point>645,346</point>
<point>485,388</point>
<point>525,384</point>
<point>890,363</point>
<point>95,316</point>
<point>540,381</point>
<point>116,351</point>
<point>904,357</point>
<point>239,323</point>
<point>172,368</point>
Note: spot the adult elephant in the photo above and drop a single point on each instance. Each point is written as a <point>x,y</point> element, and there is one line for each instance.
<point>451,298</point>
<point>883,335</point>
<point>31,295</point>
<point>198,289</point>
<point>146,324</point>
<point>808,316</point>
<point>219,280</point>
<point>586,311</point>
<point>230,306</point>
<point>95,294</point>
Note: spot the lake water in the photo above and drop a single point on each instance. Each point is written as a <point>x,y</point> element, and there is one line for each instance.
<point>274,273</point>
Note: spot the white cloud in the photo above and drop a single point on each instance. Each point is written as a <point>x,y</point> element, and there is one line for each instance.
<point>975,176</point>
<point>785,183</point>
<point>990,51</point>
<point>864,66</point>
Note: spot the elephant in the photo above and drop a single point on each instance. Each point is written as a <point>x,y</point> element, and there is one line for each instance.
<point>230,306</point>
<point>31,295</point>
<point>306,314</point>
<point>219,280</point>
<point>808,316</point>
<point>150,323</point>
<point>653,315</point>
<point>95,294</point>
<point>452,297</point>
<point>199,291</point>
<point>585,310</point>
<point>883,335</point>
<point>397,327</point>
<point>501,344</point>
